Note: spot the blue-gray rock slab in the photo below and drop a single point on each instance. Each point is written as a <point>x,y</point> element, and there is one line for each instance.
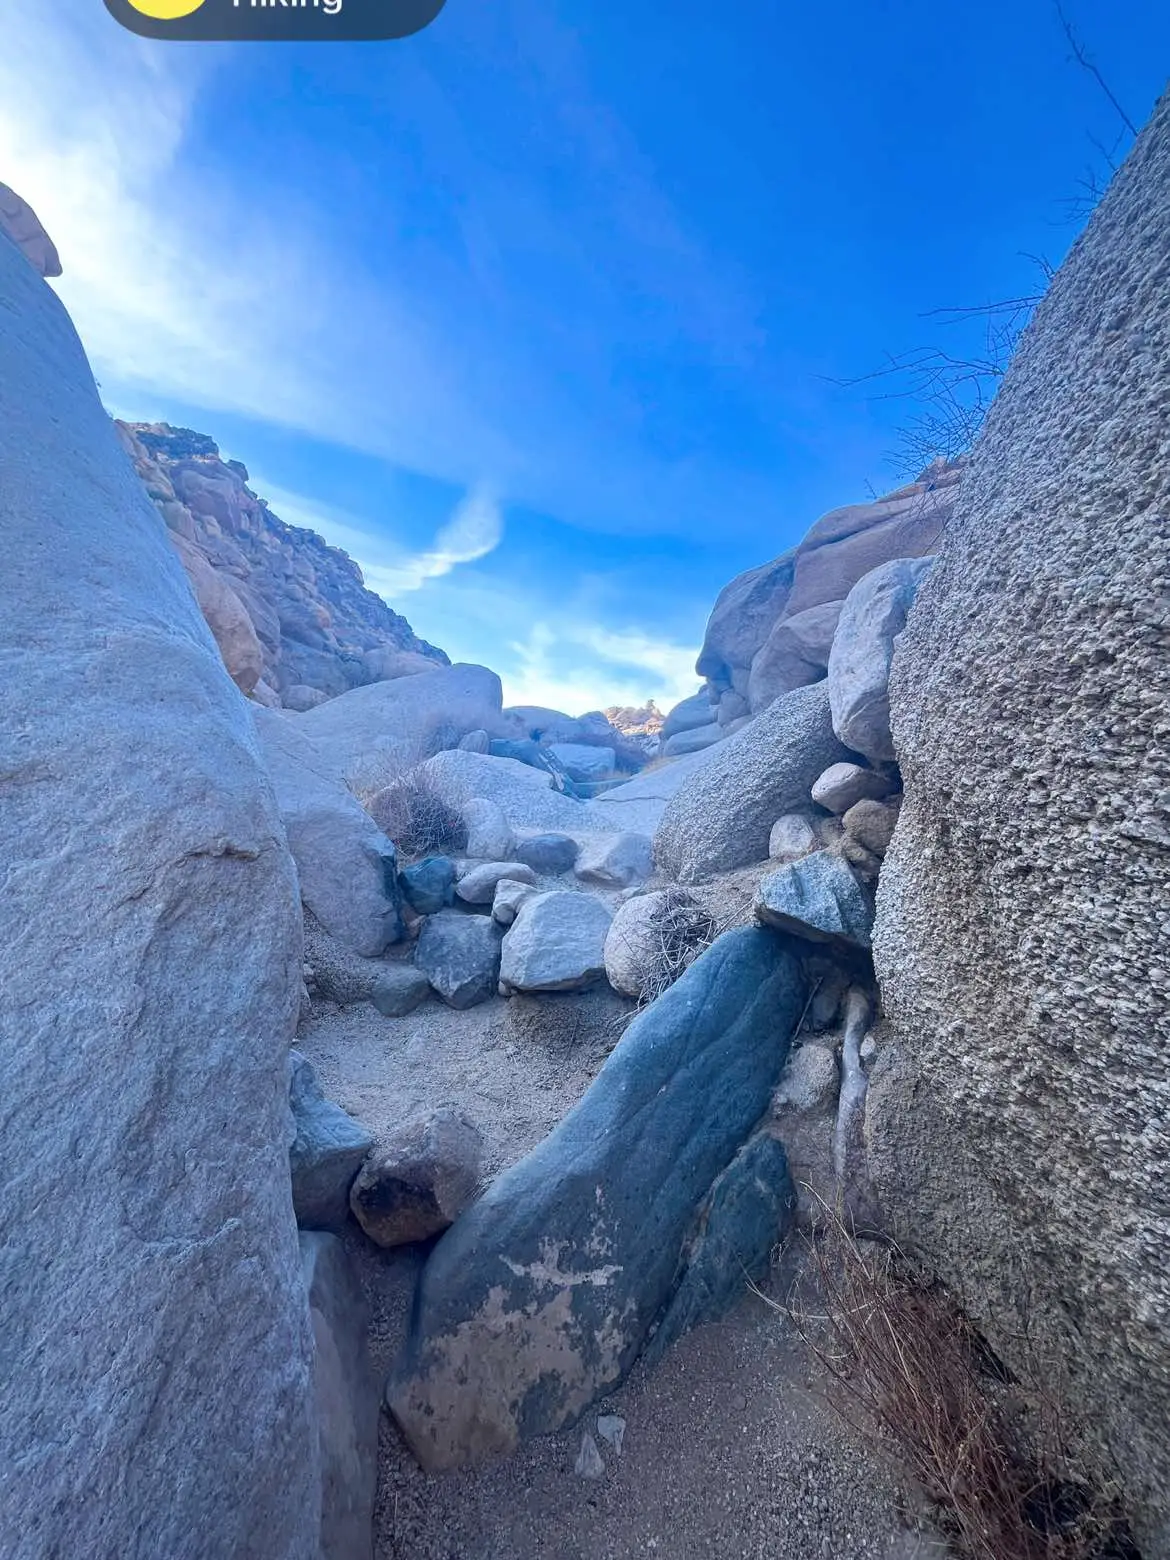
<point>346,1398</point>
<point>817,897</point>
<point>750,1208</point>
<point>327,1150</point>
<point>693,740</point>
<point>459,953</point>
<point>539,1298</point>
<point>429,885</point>
<point>721,817</point>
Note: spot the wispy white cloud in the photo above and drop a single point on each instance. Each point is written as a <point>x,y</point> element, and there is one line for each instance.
<point>475,529</point>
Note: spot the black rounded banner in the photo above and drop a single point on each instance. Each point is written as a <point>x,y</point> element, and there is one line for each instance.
<point>302,21</point>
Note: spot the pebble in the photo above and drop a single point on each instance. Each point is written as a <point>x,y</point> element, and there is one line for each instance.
<point>612,1428</point>
<point>589,1464</point>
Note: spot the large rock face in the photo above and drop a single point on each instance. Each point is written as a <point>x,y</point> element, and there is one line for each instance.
<point>298,605</point>
<point>539,1298</point>
<point>1021,939</point>
<point>156,1346</point>
<point>722,816</point>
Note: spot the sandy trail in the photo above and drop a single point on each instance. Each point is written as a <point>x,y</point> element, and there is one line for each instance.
<point>730,1451</point>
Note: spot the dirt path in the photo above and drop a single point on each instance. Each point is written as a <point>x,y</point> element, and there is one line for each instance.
<point>730,1452</point>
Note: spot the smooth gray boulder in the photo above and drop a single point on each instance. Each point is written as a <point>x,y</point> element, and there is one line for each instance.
<point>419,1180</point>
<point>548,854</point>
<point>616,860</point>
<point>478,885</point>
<point>583,762</point>
<point>556,943</point>
<point>873,616</point>
<point>795,653</point>
<point>369,734</point>
<point>346,1398</point>
<point>326,1152</point>
<point>524,794</point>
<point>633,943</point>
<point>872,825</point>
<point>460,955</point>
<point>475,742</point>
<point>842,785</point>
<point>819,898</point>
<point>156,1352</point>
<point>689,713</point>
<point>693,740</point>
<point>346,866</point>
<point>489,834</point>
<point>722,816</point>
<point>538,1300</point>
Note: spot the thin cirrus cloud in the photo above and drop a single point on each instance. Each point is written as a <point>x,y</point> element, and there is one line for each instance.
<point>475,529</point>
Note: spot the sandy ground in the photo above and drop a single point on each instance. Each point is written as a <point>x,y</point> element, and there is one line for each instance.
<point>730,1450</point>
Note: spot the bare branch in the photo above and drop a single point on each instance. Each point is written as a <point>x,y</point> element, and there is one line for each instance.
<point>1086,63</point>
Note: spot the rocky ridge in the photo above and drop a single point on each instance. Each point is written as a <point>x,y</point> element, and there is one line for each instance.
<point>292,616</point>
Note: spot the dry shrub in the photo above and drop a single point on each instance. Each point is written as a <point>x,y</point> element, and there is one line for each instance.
<point>682,930</point>
<point>988,1450</point>
<point>413,813</point>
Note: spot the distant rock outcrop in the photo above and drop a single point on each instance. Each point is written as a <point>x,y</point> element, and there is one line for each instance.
<point>292,616</point>
<point>771,628</point>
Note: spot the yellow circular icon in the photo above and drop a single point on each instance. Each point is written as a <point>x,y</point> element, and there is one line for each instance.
<point>166,10</point>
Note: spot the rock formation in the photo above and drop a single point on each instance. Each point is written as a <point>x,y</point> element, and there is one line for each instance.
<point>156,1349</point>
<point>292,617</point>
<point>1021,938</point>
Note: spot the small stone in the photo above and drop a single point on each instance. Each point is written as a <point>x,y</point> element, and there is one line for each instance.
<point>429,885</point>
<point>460,955</point>
<point>510,896</point>
<point>475,742</point>
<point>478,885</point>
<point>843,784</point>
<point>792,837</point>
<point>400,990</point>
<point>871,824</point>
<point>548,854</point>
<point>612,1429</point>
<point>419,1181</point>
<point>817,897</point>
<point>489,834</point>
<point>326,1153</point>
<point>616,860</point>
<point>589,1464</point>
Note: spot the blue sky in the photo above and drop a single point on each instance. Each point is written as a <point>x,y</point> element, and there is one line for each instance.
<point>538,312</point>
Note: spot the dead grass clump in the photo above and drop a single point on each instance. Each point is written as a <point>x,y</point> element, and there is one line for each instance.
<point>988,1450</point>
<point>682,929</point>
<point>413,813</point>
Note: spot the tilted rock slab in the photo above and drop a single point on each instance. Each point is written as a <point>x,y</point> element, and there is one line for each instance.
<point>722,815</point>
<point>538,1300</point>
<point>348,869</point>
<point>156,1350</point>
